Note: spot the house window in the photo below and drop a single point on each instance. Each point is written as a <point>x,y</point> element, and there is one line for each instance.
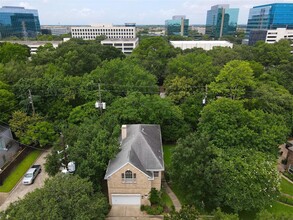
<point>128,177</point>
<point>156,173</point>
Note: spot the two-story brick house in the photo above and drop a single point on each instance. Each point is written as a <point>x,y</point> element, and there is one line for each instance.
<point>137,167</point>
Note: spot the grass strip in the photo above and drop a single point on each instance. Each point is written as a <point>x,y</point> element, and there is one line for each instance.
<point>19,171</point>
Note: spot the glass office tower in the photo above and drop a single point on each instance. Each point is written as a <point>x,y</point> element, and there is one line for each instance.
<point>221,21</point>
<point>177,26</point>
<point>19,22</point>
<point>270,16</point>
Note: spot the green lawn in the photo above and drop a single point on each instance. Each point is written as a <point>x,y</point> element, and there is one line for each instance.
<point>167,160</point>
<point>286,187</point>
<point>280,208</point>
<point>19,171</point>
<point>166,200</point>
<point>167,155</point>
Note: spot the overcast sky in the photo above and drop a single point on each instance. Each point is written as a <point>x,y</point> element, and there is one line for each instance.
<point>78,12</point>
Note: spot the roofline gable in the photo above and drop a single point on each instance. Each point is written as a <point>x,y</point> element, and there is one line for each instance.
<point>107,177</point>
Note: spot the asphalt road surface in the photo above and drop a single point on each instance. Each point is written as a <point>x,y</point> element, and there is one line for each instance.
<point>21,190</point>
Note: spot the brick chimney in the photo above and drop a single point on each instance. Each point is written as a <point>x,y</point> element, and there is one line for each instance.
<point>123,132</point>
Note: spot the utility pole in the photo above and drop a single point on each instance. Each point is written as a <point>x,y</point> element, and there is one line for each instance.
<point>31,101</point>
<point>100,97</point>
<point>64,150</point>
<point>99,104</point>
<point>204,101</point>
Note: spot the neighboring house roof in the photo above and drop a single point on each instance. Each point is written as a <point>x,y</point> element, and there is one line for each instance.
<point>142,148</point>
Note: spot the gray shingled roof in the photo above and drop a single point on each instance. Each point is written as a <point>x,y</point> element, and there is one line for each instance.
<point>142,148</point>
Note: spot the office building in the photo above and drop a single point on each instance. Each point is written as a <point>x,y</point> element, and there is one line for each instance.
<point>206,45</point>
<point>108,30</point>
<point>221,20</point>
<point>34,45</point>
<point>125,45</point>
<point>19,22</point>
<point>177,26</point>
<point>270,16</point>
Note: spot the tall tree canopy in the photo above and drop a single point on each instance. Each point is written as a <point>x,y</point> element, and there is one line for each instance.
<point>153,54</point>
<point>230,125</point>
<point>235,178</point>
<point>233,80</point>
<point>62,197</point>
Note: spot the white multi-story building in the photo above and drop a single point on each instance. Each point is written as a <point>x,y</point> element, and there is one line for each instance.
<point>278,34</point>
<point>206,45</point>
<point>274,36</point>
<point>108,30</point>
<point>125,45</point>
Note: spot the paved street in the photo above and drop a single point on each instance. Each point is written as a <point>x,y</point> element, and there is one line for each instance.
<point>21,190</point>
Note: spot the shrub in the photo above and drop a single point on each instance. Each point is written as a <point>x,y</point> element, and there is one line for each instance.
<point>154,210</point>
<point>155,197</point>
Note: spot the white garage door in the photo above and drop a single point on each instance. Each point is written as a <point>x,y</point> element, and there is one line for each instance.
<point>125,199</point>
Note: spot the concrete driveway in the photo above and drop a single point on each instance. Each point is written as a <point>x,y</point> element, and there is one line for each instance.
<point>21,190</point>
<point>129,212</point>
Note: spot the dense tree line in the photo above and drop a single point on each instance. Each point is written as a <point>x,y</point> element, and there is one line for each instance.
<point>231,139</point>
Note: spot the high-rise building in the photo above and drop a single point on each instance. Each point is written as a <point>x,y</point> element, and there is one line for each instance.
<point>19,22</point>
<point>221,21</point>
<point>177,26</point>
<point>270,16</point>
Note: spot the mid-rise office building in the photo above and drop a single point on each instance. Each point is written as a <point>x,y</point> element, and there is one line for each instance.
<point>221,20</point>
<point>177,26</point>
<point>108,30</point>
<point>19,22</point>
<point>125,45</point>
<point>270,16</point>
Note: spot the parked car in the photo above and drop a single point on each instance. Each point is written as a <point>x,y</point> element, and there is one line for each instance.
<point>31,174</point>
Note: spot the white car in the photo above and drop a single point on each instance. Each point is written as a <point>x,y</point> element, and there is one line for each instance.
<point>31,174</point>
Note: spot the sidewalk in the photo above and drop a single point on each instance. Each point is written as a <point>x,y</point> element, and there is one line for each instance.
<point>172,196</point>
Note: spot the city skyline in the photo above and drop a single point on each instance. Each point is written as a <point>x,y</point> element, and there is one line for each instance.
<point>90,12</point>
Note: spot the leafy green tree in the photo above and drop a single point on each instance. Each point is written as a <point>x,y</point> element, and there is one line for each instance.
<point>271,97</point>
<point>272,54</point>
<point>283,75</point>
<point>191,108</point>
<point>137,108</point>
<point>195,67</point>
<point>123,76</point>
<point>20,122</point>
<point>32,129</point>
<point>41,133</point>
<point>233,79</point>
<point>62,197</point>
<point>235,178</point>
<point>16,52</point>
<point>230,125</point>
<point>222,55</point>
<point>242,179</point>
<point>153,54</point>
<point>91,149</point>
<point>7,100</point>
<point>178,88</point>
